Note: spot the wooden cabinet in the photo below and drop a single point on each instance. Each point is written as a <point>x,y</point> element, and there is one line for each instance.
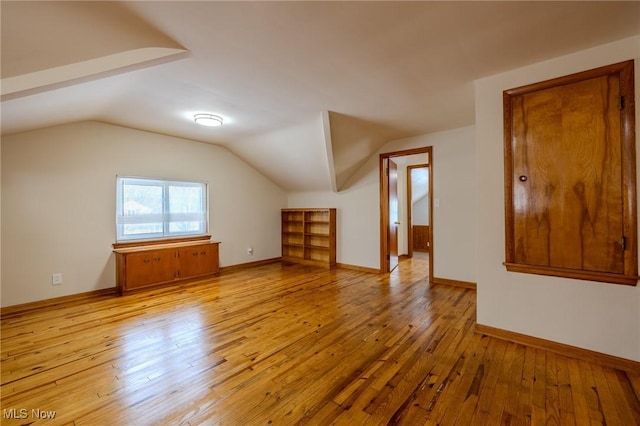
<point>309,236</point>
<point>570,177</point>
<point>146,266</point>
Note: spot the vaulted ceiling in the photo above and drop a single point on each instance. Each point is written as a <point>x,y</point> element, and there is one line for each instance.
<point>308,90</point>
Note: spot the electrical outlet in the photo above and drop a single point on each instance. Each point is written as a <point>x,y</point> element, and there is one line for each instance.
<point>56,279</point>
<point>250,251</point>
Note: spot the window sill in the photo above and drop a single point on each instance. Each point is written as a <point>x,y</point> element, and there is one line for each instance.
<point>160,241</point>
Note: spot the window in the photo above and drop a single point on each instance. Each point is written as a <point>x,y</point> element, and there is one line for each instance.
<point>160,208</point>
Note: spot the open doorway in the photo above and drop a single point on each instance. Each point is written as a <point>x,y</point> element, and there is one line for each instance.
<point>400,223</point>
<point>418,202</point>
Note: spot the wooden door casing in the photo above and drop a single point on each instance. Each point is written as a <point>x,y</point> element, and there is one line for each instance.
<point>570,177</point>
<point>383,161</point>
<point>424,243</point>
<point>394,220</point>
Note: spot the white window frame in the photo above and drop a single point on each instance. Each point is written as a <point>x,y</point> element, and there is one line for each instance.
<point>166,217</point>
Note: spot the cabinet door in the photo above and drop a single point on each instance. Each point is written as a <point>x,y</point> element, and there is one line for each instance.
<point>570,168</point>
<point>149,267</point>
<point>198,260</point>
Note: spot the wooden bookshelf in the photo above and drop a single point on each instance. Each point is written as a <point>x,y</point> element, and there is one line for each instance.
<point>309,236</point>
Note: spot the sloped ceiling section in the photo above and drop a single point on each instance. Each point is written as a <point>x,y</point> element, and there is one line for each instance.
<point>298,155</point>
<point>57,48</point>
<point>308,90</point>
<point>354,140</point>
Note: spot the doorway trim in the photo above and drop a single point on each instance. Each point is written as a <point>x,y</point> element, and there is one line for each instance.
<point>409,205</point>
<point>384,206</point>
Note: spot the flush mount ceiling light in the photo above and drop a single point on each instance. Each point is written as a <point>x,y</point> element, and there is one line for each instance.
<point>208,120</point>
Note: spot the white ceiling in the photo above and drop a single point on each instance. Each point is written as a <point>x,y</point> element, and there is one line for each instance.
<point>308,90</point>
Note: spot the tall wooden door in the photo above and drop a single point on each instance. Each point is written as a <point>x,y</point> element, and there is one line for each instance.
<point>567,181</point>
<point>394,220</point>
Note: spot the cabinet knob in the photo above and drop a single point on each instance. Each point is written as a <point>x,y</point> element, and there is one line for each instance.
<point>147,260</point>
<point>522,178</point>
<point>157,259</point>
<point>195,253</point>
<point>203,252</point>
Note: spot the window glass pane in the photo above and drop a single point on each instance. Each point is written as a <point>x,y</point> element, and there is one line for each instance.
<point>140,202</point>
<point>185,227</point>
<point>142,228</point>
<point>142,199</point>
<point>186,199</point>
<point>186,208</point>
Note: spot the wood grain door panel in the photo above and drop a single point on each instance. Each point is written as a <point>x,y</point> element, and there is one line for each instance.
<point>197,260</point>
<point>149,267</point>
<point>420,237</point>
<point>567,176</point>
<point>568,212</point>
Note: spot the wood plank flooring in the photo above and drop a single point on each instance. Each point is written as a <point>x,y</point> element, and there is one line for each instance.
<point>290,345</point>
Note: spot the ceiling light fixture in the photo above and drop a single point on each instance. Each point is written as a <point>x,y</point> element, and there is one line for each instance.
<point>208,120</point>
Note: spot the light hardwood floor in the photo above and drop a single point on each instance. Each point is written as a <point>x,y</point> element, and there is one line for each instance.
<point>290,344</point>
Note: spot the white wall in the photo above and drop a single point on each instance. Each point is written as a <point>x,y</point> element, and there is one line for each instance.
<point>591,315</point>
<point>58,203</point>
<point>420,211</point>
<point>358,206</point>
